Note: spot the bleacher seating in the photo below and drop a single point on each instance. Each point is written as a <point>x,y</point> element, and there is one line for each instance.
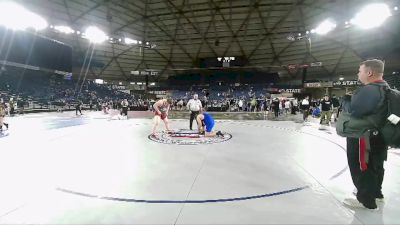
<point>393,80</point>
<point>42,90</point>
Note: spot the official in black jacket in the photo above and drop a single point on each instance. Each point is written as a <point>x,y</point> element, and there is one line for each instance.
<point>366,155</point>
<point>326,110</point>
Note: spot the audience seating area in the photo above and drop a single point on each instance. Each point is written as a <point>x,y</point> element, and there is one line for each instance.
<point>36,90</point>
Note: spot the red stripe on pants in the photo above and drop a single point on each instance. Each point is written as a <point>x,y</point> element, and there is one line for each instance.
<point>362,154</point>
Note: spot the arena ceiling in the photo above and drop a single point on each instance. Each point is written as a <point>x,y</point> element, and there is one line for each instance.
<point>184,31</point>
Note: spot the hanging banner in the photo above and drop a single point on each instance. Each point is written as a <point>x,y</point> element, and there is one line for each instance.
<point>287,90</point>
<point>158,92</point>
<point>322,84</point>
<point>312,85</point>
<point>346,83</point>
<point>117,87</point>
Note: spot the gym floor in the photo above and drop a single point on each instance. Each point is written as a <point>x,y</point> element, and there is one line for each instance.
<point>58,168</point>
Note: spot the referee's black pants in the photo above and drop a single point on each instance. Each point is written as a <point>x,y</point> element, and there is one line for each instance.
<point>124,111</point>
<point>78,109</point>
<point>193,116</point>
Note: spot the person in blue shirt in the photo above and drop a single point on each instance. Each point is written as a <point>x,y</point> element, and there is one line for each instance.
<point>206,124</point>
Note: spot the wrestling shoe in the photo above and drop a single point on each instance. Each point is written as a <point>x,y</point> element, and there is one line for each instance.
<point>354,203</point>
<point>219,133</point>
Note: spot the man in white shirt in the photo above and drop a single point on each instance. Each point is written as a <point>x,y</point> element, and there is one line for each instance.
<point>305,106</point>
<point>180,104</point>
<point>240,104</point>
<point>194,106</point>
<point>295,106</point>
<point>287,107</point>
<point>124,108</point>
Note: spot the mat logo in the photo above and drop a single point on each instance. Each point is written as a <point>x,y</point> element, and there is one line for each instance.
<point>187,137</point>
<point>4,133</point>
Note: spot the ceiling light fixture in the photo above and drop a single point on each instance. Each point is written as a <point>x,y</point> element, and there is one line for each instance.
<point>325,27</point>
<point>364,19</point>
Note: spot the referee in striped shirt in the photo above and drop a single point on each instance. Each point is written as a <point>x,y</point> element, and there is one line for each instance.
<point>194,106</point>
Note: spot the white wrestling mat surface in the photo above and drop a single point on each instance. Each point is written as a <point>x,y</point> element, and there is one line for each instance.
<point>57,168</point>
